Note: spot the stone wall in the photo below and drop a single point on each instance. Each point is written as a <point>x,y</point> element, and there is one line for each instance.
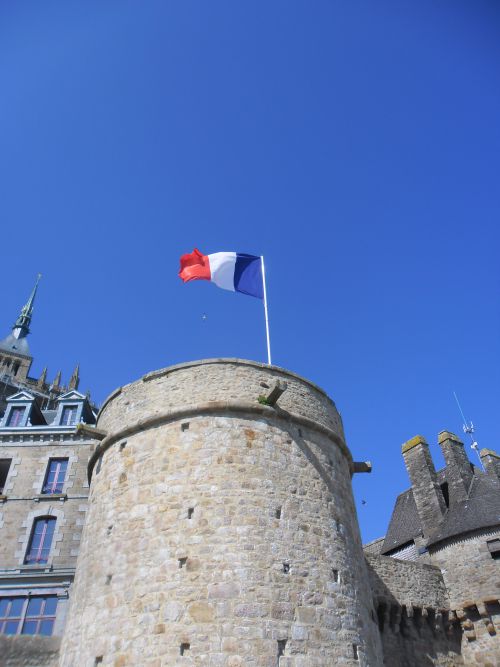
<point>412,611</point>
<point>472,578</point>
<point>23,502</point>
<point>221,532</point>
<point>469,571</point>
<point>409,583</point>
<point>26,651</point>
<point>216,381</point>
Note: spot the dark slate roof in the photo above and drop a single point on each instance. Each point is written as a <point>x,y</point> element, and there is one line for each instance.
<point>480,510</point>
<point>15,345</point>
<point>49,415</point>
<point>404,525</point>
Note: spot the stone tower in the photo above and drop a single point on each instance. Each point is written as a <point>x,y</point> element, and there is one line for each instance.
<point>221,529</point>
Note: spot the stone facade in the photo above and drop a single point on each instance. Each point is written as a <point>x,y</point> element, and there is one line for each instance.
<point>43,501</point>
<point>221,531</point>
<point>26,651</point>
<point>447,524</point>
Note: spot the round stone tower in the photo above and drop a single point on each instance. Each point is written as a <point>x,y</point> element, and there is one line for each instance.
<point>221,530</point>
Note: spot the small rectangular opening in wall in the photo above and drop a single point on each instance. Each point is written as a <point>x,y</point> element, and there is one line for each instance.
<point>98,660</point>
<point>108,579</point>
<point>123,445</point>
<point>494,548</point>
<point>4,472</point>
<point>286,568</point>
<point>99,465</point>
<point>108,532</point>
<point>300,432</point>
<point>185,426</point>
<point>335,574</point>
<point>278,513</point>
<point>355,652</point>
<point>184,648</point>
<point>281,647</point>
<point>182,562</point>
<point>190,512</point>
<point>446,493</point>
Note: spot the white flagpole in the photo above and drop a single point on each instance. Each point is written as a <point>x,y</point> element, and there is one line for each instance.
<point>265,310</point>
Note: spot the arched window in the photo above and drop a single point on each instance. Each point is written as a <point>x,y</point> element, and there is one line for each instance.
<point>40,541</point>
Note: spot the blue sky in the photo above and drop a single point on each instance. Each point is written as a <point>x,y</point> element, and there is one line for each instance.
<point>355,144</point>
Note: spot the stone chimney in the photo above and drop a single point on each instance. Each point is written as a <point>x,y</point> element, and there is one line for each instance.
<point>459,471</point>
<point>428,497</point>
<point>490,461</point>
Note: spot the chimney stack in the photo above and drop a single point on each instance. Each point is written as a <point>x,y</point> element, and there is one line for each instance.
<point>490,461</point>
<point>428,497</point>
<point>459,471</point>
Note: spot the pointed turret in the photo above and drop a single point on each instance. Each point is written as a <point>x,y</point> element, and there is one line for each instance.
<point>57,381</point>
<point>14,349</point>
<point>75,378</point>
<point>22,326</point>
<point>43,378</point>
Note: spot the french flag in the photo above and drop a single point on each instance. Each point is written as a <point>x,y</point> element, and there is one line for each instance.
<point>233,271</point>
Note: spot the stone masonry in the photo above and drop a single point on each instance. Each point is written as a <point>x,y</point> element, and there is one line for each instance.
<point>221,531</point>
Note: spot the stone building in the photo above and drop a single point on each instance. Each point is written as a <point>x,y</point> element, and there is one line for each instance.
<point>221,530</point>
<point>43,499</point>
<point>436,573</point>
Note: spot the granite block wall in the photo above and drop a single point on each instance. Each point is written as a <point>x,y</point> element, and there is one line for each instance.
<point>25,651</point>
<point>412,612</point>
<point>223,533</point>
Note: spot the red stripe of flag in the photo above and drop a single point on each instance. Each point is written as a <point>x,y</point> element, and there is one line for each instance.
<point>194,266</point>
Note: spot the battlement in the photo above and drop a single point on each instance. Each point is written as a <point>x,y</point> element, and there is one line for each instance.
<point>216,386</point>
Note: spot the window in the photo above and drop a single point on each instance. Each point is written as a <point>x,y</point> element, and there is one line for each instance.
<point>28,616</point>
<point>41,540</point>
<point>4,472</point>
<point>16,415</point>
<point>494,548</point>
<point>446,493</point>
<point>56,474</point>
<point>68,415</point>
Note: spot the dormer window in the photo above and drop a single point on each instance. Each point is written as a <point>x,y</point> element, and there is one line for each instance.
<point>16,416</point>
<point>73,408</point>
<point>68,417</point>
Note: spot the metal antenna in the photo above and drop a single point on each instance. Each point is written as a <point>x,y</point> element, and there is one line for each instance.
<point>468,428</point>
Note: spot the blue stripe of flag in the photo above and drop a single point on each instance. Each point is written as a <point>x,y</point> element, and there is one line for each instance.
<point>248,275</point>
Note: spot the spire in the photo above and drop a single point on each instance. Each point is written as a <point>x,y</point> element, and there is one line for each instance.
<point>43,378</point>
<point>22,326</point>
<point>75,378</point>
<point>57,381</point>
